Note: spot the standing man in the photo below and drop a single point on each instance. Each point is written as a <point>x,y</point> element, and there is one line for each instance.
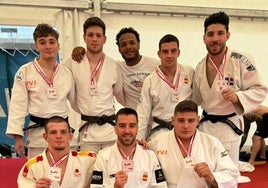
<point>126,163</point>
<point>98,80</point>
<point>226,85</point>
<point>170,83</point>
<point>190,158</point>
<point>135,67</point>
<point>57,166</point>
<point>40,89</point>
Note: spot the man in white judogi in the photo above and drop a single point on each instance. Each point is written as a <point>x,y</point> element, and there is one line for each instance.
<point>41,89</point>
<point>97,81</point>
<point>163,89</point>
<point>226,85</point>
<point>190,158</point>
<point>127,164</point>
<point>57,166</point>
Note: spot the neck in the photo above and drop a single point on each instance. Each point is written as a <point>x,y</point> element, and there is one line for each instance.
<point>217,59</point>
<point>57,154</point>
<point>126,149</point>
<point>47,63</point>
<point>169,71</point>
<point>134,61</point>
<point>94,58</point>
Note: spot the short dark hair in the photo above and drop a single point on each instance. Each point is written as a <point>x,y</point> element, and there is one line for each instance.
<point>94,21</point>
<point>168,38</point>
<point>57,119</point>
<point>219,17</point>
<point>127,30</point>
<point>44,30</point>
<point>126,111</point>
<point>186,106</point>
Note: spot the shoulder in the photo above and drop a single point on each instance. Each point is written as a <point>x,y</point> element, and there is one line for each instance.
<point>32,162</point>
<point>83,154</point>
<point>160,139</point>
<point>150,60</point>
<point>243,58</point>
<point>207,137</point>
<point>110,60</point>
<point>201,63</point>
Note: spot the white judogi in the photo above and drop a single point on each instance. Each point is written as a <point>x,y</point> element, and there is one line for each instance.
<point>206,149</point>
<point>109,84</point>
<point>78,171</point>
<point>156,98</point>
<point>133,78</point>
<point>241,75</point>
<point>30,96</point>
<point>145,174</point>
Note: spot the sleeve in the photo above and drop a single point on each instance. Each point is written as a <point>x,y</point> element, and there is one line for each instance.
<point>118,87</point>
<point>225,172</point>
<point>196,96</point>
<point>158,179</point>
<point>144,108</point>
<point>26,180</point>
<point>18,104</point>
<point>100,177</point>
<point>252,89</point>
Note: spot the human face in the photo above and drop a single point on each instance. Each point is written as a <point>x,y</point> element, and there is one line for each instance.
<point>168,54</point>
<point>185,124</point>
<point>215,39</point>
<point>48,47</point>
<point>129,46</point>
<point>94,39</point>
<point>57,136</point>
<point>126,129</point>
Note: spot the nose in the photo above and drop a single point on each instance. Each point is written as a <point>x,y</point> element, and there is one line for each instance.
<point>58,135</point>
<point>127,129</point>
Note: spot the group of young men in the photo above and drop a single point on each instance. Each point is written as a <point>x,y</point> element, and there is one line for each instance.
<point>225,83</point>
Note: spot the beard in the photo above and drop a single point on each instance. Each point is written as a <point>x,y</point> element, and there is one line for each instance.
<point>127,141</point>
<point>59,148</point>
<point>212,51</point>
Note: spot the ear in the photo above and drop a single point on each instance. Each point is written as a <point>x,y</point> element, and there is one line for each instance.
<point>84,37</point>
<point>35,45</point>
<point>228,35</point>
<point>104,40</point>
<point>45,136</point>
<point>159,54</point>
<point>71,136</point>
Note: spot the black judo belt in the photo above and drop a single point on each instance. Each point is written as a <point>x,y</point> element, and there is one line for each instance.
<point>223,119</point>
<point>100,120</point>
<point>161,124</point>
<point>40,122</point>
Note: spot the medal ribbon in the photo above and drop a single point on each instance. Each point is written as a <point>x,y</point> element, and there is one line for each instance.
<point>96,70</point>
<point>126,157</point>
<point>56,163</point>
<point>163,77</point>
<point>43,75</point>
<point>221,73</point>
<point>188,150</point>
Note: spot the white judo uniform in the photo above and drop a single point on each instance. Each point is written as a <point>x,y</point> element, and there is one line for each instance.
<point>240,74</point>
<point>109,84</point>
<point>205,148</point>
<point>133,78</point>
<point>156,99</point>
<point>30,96</point>
<point>147,171</point>
<point>78,171</point>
